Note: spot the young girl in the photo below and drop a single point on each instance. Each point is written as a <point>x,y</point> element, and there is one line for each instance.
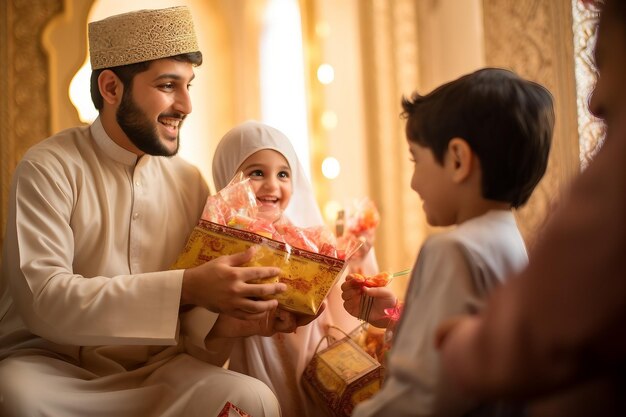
<point>266,156</point>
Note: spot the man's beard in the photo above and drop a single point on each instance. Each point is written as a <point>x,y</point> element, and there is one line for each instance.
<point>140,130</point>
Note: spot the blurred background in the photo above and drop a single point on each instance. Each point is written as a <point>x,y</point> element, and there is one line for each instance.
<point>330,74</point>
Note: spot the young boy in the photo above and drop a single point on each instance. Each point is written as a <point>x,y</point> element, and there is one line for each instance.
<point>480,145</point>
<point>554,334</point>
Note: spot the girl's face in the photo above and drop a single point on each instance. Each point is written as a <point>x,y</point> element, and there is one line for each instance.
<point>270,177</point>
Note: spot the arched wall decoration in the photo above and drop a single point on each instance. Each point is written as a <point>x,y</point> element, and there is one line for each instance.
<point>535,39</point>
<point>24,83</point>
<point>64,40</point>
<point>590,129</point>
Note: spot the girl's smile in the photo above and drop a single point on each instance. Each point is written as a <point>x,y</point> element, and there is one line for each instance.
<point>270,177</point>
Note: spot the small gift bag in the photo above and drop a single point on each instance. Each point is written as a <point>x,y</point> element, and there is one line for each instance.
<point>341,376</point>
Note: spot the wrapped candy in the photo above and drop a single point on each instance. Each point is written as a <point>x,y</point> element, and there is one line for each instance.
<point>240,197</point>
<point>237,200</point>
<point>270,213</point>
<point>217,211</point>
<point>363,217</point>
<point>235,206</point>
<point>255,225</point>
<point>379,280</point>
<point>296,236</point>
<point>359,222</point>
<point>240,222</point>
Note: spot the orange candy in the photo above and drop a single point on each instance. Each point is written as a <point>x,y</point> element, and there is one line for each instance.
<point>365,219</point>
<point>379,280</point>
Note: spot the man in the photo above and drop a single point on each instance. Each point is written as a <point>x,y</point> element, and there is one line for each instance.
<point>92,322</point>
<point>554,335</point>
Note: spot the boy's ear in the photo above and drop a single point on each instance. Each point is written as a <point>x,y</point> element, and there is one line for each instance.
<point>111,87</point>
<point>460,159</point>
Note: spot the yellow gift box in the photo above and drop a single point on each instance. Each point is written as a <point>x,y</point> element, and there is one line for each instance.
<point>341,376</point>
<point>309,276</point>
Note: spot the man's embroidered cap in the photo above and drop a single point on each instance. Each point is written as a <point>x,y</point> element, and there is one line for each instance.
<point>140,36</point>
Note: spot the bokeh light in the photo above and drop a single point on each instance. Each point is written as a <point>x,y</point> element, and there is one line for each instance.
<point>326,73</point>
<point>331,168</point>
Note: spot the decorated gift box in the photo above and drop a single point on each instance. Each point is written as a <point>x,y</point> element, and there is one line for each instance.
<point>341,376</point>
<point>352,369</point>
<point>311,259</point>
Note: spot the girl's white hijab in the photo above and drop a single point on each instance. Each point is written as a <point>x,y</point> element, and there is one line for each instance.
<point>280,360</point>
<point>252,136</point>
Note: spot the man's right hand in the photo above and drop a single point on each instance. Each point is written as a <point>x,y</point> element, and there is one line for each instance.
<point>221,286</point>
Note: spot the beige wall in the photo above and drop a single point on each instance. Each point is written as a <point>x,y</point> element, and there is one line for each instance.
<point>450,40</point>
<point>407,46</point>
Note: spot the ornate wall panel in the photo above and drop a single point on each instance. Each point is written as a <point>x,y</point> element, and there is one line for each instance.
<point>64,40</point>
<point>23,81</point>
<point>590,129</point>
<point>534,38</point>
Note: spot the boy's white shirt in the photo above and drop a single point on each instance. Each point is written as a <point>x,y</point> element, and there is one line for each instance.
<point>453,274</point>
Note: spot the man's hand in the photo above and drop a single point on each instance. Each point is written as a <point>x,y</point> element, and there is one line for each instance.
<point>221,286</point>
<point>275,321</point>
<point>352,291</point>
<point>228,326</point>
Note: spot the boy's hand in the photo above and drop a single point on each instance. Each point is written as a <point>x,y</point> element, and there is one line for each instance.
<point>352,291</point>
<point>221,286</point>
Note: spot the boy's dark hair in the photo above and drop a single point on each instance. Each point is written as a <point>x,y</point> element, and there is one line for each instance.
<point>506,120</point>
<point>126,73</point>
